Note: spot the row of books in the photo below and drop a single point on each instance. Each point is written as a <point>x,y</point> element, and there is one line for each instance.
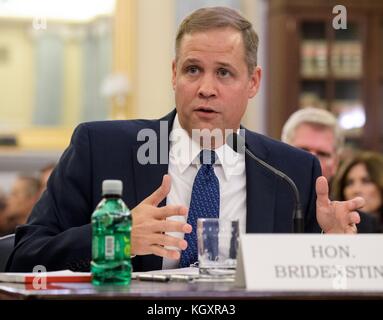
<point>346,59</point>
<point>350,113</point>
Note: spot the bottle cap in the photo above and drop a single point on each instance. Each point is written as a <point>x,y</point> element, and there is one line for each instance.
<point>112,187</point>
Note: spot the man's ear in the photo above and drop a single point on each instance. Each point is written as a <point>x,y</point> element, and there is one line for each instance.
<point>255,81</point>
<point>174,73</point>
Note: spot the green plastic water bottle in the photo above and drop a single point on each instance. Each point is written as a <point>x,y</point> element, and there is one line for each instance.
<point>111,227</point>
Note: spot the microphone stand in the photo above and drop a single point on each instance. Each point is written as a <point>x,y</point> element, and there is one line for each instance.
<point>298,219</point>
<point>238,144</point>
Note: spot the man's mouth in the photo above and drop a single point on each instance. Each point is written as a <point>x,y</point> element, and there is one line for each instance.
<point>205,109</point>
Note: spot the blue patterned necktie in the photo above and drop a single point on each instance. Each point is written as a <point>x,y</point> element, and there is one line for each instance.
<point>204,203</point>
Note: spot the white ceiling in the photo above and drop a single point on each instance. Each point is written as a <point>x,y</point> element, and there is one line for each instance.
<point>71,10</point>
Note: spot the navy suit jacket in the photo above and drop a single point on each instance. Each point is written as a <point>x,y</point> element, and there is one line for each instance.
<point>58,232</point>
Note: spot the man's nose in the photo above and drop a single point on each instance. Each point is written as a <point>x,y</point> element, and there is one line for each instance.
<point>207,88</point>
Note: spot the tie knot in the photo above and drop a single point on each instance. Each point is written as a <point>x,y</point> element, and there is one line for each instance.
<point>208,156</point>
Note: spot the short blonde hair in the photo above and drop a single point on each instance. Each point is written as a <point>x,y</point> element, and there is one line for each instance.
<point>316,117</point>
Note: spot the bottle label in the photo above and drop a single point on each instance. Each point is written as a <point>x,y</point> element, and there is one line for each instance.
<point>109,247</point>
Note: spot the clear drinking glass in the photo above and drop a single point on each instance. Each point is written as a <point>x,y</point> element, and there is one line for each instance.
<point>217,247</point>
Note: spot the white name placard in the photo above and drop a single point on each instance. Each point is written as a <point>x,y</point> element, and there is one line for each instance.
<point>310,262</point>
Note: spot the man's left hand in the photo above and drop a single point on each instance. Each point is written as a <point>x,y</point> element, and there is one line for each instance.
<point>336,216</point>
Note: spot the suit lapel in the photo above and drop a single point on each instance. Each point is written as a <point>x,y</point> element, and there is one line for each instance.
<point>260,189</point>
<point>148,177</point>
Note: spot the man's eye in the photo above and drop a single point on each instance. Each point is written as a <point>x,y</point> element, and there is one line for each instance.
<point>223,73</point>
<point>324,155</point>
<point>192,70</point>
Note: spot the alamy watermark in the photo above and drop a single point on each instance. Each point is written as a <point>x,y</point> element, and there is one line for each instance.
<point>40,281</point>
<point>340,20</point>
<point>155,148</point>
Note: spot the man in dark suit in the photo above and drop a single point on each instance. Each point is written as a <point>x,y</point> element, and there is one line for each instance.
<point>215,72</point>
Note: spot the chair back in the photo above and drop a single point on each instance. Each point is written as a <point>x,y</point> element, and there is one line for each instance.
<point>6,247</point>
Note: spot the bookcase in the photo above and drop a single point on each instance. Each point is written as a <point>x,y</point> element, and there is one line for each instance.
<point>310,63</point>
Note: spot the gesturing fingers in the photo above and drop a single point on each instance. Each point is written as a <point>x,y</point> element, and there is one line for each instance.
<point>169,211</point>
<point>171,226</point>
<point>168,246</point>
<point>354,217</point>
<point>356,203</point>
<point>161,226</point>
<point>166,253</point>
<point>321,188</point>
<point>154,242</point>
<point>345,215</point>
<point>169,241</point>
<point>150,225</point>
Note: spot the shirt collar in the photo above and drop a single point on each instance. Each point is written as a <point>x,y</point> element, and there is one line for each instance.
<point>184,152</point>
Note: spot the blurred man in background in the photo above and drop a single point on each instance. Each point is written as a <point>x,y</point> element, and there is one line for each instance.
<point>316,131</point>
<point>24,194</point>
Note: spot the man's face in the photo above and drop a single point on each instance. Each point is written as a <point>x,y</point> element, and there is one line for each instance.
<point>320,141</point>
<point>211,80</point>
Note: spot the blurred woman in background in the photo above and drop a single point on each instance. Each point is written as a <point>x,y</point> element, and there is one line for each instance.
<point>362,175</point>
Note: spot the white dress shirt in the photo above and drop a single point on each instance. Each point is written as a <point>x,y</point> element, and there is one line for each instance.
<point>183,167</point>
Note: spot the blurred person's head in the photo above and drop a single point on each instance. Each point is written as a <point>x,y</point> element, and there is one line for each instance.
<point>24,194</point>
<point>45,173</point>
<point>361,175</point>
<point>316,131</point>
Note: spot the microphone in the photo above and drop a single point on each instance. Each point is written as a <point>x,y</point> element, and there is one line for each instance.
<point>238,144</point>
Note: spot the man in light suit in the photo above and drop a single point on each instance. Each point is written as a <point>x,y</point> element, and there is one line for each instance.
<point>215,72</point>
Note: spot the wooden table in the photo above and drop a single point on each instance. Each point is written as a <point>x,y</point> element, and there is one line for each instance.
<point>145,290</point>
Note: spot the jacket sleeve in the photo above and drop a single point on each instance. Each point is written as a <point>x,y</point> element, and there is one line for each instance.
<point>58,233</point>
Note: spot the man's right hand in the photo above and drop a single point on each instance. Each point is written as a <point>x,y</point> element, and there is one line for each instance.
<point>150,224</point>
